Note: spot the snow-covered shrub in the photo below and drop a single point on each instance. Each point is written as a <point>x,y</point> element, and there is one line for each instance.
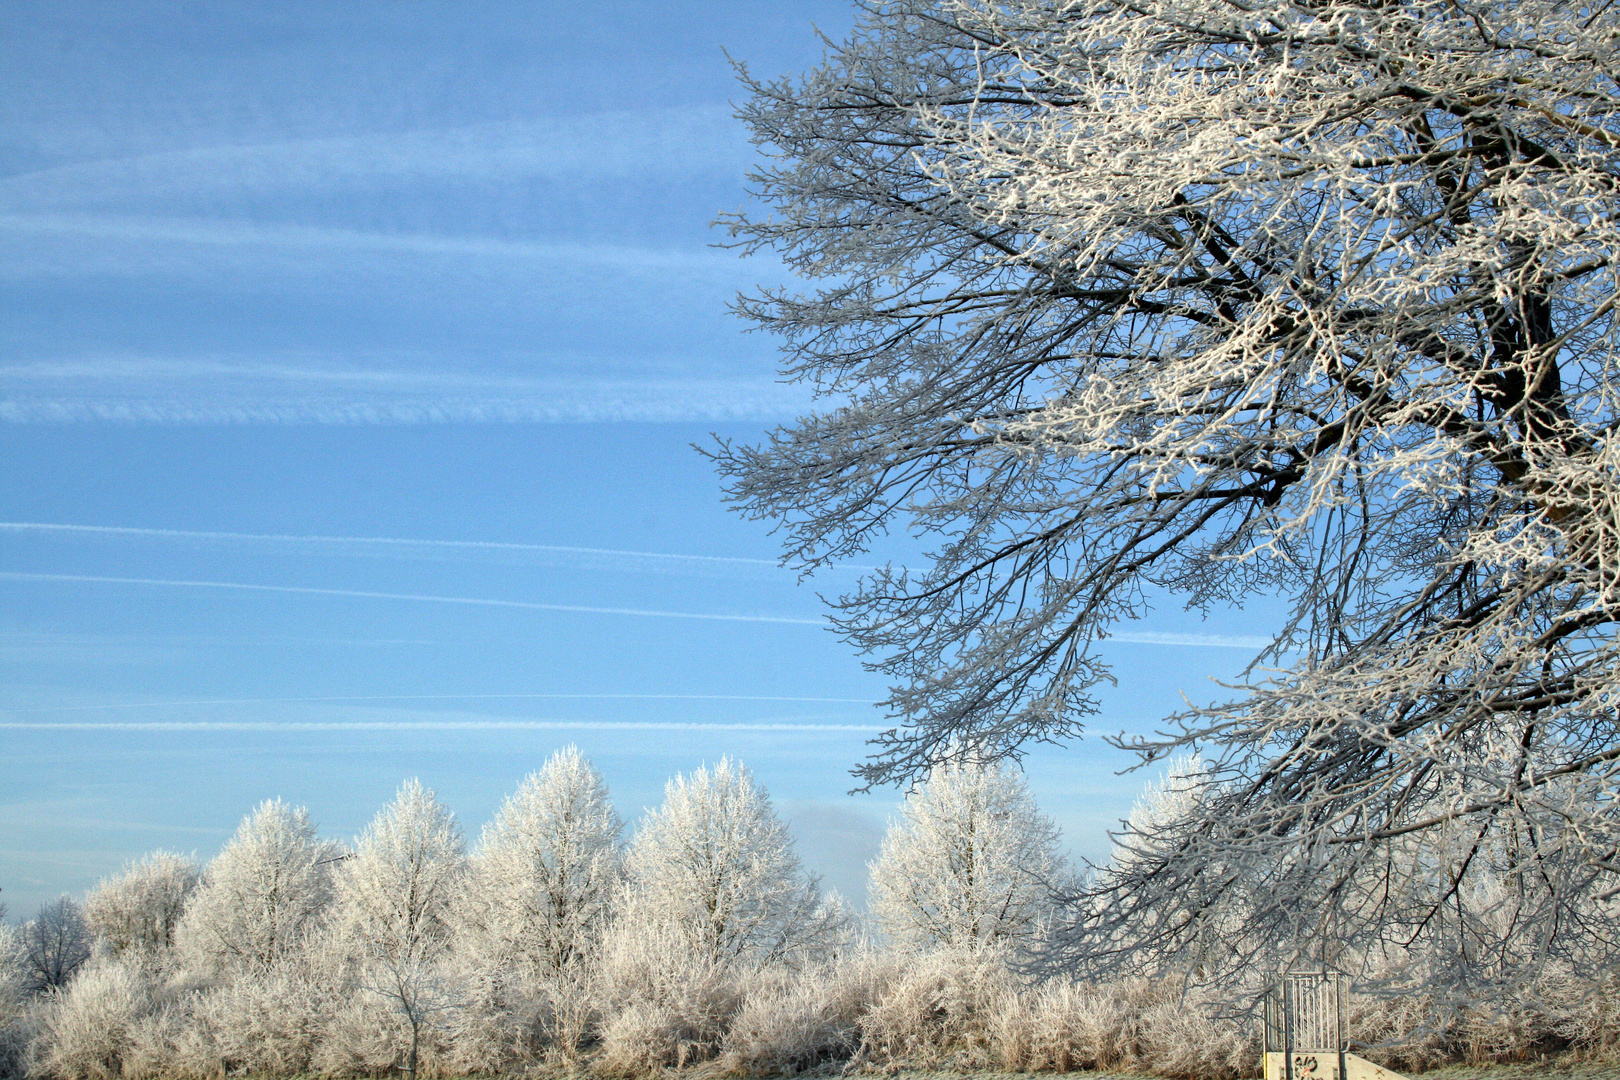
<point>272,1022</point>
<point>87,1029</point>
<point>801,1019</point>
<point>668,1001</point>
<point>1061,1026</point>
<point>940,1008</point>
<point>14,1018</point>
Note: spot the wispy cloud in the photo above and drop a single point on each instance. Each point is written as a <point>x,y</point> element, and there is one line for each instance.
<point>366,541</point>
<point>423,725</point>
<point>440,697</point>
<point>1213,641</point>
<point>206,390</point>
<point>603,146</point>
<point>362,594</point>
<point>213,232</point>
<point>607,559</point>
<point>689,404</point>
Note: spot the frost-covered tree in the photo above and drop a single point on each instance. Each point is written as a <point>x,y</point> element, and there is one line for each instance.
<point>394,909</point>
<point>1313,300</point>
<point>715,867</point>
<point>55,944</point>
<point>969,861</point>
<point>140,908</point>
<point>262,895</point>
<point>547,867</point>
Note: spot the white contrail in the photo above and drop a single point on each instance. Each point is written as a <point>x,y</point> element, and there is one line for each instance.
<point>393,541</point>
<point>444,697</point>
<point>237,233</point>
<point>481,545</point>
<point>1214,641</point>
<point>305,590</point>
<point>418,725</point>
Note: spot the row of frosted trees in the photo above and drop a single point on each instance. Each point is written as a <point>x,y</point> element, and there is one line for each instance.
<point>552,940</point>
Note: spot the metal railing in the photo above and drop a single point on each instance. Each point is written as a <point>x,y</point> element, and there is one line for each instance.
<point>1304,1021</point>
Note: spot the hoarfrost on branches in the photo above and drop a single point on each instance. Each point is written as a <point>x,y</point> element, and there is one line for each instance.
<point>55,944</point>
<point>140,908</point>
<point>262,895</point>
<point>714,868</point>
<point>547,869</point>
<point>970,861</point>
<point>1306,299</point>
<point>393,912</point>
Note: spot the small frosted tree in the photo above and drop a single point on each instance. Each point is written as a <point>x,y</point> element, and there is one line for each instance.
<point>548,867</point>
<point>140,908</point>
<point>263,894</point>
<point>715,867</point>
<point>969,861</point>
<point>394,907</point>
<point>55,944</point>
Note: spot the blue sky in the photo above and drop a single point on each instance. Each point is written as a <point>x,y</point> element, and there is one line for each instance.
<point>350,361</point>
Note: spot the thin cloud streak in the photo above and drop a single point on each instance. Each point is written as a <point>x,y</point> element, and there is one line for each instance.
<point>686,403</point>
<point>444,697</point>
<point>418,725</point>
<point>236,234</point>
<point>1129,637</point>
<point>600,147</point>
<point>304,590</point>
<point>393,541</point>
<point>1211,641</point>
<point>399,543</point>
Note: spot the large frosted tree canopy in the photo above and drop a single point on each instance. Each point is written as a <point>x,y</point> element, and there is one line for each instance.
<point>1310,299</point>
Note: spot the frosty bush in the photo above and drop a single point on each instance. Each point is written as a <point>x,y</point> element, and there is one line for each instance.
<point>14,981</point>
<point>88,1030</point>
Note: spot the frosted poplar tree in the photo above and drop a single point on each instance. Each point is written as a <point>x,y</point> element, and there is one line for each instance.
<point>969,861</point>
<point>262,895</point>
<point>547,868</point>
<point>394,909</point>
<point>140,908</point>
<point>1214,300</point>
<point>715,867</point>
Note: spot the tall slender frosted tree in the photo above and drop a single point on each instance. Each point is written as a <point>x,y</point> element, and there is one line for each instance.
<point>263,894</point>
<point>548,867</point>
<point>715,867</point>
<point>394,909</point>
<point>969,861</point>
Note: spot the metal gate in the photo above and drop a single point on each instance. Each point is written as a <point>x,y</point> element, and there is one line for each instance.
<point>1305,1024</point>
